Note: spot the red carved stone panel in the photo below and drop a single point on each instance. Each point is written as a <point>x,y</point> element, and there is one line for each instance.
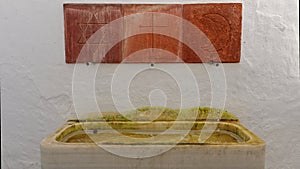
<point>222,24</point>
<point>81,22</point>
<point>161,48</point>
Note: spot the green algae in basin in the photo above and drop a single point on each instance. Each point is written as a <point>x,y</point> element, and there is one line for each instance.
<point>111,138</point>
<point>164,114</point>
<point>221,132</point>
<point>155,120</point>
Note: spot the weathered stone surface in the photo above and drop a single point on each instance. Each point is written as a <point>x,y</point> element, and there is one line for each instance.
<point>235,148</point>
<point>222,24</point>
<point>149,23</point>
<point>81,22</point>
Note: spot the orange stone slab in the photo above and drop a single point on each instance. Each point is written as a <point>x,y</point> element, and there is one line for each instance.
<point>144,39</point>
<point>81,22</point>
<point>222,24</point>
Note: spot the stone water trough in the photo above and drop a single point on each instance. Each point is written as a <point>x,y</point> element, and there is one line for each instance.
<point>154,137</point>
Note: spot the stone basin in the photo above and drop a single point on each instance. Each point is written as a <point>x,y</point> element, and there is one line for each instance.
<point>207,144</point>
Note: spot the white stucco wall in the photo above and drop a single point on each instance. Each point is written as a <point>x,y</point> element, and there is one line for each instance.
<point>263,90</point>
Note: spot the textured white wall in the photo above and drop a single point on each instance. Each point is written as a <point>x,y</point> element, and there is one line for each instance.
<point>36,84</point>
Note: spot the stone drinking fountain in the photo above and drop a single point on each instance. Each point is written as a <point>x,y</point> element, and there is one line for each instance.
<point>102,142</point>
<point>153,137</point>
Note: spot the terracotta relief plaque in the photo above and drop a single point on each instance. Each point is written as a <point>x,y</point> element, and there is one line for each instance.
<point>153,47</point>
<point>81,22</point>
<point>220,23</point>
